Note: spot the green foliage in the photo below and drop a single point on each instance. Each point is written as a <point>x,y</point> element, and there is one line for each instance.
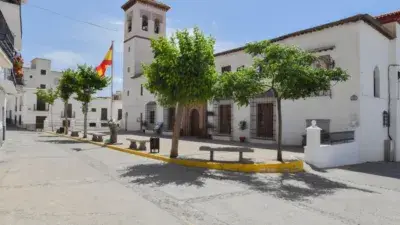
<point>287,70</point>
<point>88,82</point>
<point>66,86</point>
<point>183,69</point>
<point>47,95</point>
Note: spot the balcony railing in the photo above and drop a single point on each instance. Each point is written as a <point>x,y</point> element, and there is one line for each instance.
<point>69,116</point>
<point>40,107</point>
<point>6,38</point>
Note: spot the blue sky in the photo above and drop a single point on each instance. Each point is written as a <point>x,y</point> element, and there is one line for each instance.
<point>231,22</point>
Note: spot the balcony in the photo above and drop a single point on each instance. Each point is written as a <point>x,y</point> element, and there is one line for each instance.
<point>6,44</point>
<point>40,107</point>
<point>70,114</point>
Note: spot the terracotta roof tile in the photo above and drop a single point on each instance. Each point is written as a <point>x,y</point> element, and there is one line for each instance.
<point>374,23</point>
<point>154,3</point>
<point>389,17</point>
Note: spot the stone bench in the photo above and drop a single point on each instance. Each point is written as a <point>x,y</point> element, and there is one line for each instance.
<point>225,149</point>
<point>133,145</point>
<point>97,137</point>
<point>75,133</point>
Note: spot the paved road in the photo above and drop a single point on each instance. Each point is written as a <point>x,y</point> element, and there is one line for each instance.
<point>51,180</point>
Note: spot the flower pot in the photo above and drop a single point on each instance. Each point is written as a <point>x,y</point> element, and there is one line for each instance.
<point>242,139</point>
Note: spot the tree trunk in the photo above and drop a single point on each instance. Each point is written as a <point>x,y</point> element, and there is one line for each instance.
<point>113,132</point>
<point>66,117</point>
<point>177,130</point>
<point>51,118</point>
<point>85,108</point>
<point>278,103</point>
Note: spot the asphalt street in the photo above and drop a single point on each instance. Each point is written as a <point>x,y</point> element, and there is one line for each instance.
<point>51,180</point>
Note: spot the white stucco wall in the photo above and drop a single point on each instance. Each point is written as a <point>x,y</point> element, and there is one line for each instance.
<point>137,51</point>
<point>11,13</point>
<point>374,51</point>
<point>295,113</point>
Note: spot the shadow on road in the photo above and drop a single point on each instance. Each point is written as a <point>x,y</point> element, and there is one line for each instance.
<point>298,149</point>
<point>384,169</point>
<point>48,136</point>
<point>292,187</point>
<point>61,141</point>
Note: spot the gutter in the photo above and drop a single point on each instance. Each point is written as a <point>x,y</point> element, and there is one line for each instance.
<point>388,128</point>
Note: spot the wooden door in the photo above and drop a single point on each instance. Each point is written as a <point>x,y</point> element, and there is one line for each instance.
<point>225,119</point>
<point>40,122</point>
<point>194,123</point>
<point>69,111</point>
<point>265,120</point>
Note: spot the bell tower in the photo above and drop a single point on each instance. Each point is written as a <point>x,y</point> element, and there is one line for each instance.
<point>144,19</point>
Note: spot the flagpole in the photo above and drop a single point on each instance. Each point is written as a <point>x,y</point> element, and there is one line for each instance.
<point>112,80</point>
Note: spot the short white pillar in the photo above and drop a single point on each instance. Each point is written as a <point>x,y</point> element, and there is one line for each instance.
<point>313,143</point>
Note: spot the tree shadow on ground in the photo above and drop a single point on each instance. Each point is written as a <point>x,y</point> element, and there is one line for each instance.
<point>161,174</point>
<point>48,136</point>
<point>292,187</point>
<point>384,169</point>
<point>61,141</point>
<point>298,149</point>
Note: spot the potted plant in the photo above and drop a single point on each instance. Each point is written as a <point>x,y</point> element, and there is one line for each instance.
<point>242,127</point>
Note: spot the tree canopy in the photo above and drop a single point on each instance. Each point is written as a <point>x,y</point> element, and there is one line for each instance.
<point>182,73</point>
<point>183,69</point>
<point>286,70</point>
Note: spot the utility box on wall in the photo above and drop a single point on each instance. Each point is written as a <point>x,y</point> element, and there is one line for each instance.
<point>388,151</point>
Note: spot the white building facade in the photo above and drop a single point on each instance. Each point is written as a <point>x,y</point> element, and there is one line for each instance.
<point>10,45</point>
<point>366,47</point>
<point>27,111</point>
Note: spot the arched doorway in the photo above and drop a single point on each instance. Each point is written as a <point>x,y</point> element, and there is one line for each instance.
<point>194,123</point>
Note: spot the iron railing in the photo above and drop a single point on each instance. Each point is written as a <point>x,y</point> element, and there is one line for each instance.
<point>40,107</point>
<point>333,138</point>
<point>6,38</point>
<point>69,114</point>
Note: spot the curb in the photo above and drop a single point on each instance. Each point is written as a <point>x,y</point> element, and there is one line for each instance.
<point>273,167</point>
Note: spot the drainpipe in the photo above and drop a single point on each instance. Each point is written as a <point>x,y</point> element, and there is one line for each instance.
<point>388,128</point>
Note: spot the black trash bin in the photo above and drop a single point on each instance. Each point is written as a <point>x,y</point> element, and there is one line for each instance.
<point>154,145</point>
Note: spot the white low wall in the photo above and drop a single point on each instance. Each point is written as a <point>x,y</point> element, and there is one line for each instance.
<point>333,155</point>
<point>324,156</point>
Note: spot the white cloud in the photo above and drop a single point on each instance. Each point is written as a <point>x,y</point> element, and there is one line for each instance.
<point>214,25</point>
<point>171,31</point>
<point>64,59</point>
<point>224,45</point>
<point>220,45</point>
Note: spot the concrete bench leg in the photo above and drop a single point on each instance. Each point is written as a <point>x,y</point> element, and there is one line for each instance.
<point>142,146</point>
<point>94,138</point>
<point>133,145</point>
<point>74,134</point>
<point>100,138</point>
<point>211,156</point>
<point>240,156</point>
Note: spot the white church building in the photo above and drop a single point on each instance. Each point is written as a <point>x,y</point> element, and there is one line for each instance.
<point>363,109</point>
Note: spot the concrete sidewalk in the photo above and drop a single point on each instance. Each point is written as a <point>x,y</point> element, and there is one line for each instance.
<point>189,148</point>
<point>42,183</point>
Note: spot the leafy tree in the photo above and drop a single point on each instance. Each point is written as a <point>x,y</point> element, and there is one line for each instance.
<point>49,96</point>
<point>286,70</point>
<point>65,89</point>
<point>182,73</point>
<point>88,82</point>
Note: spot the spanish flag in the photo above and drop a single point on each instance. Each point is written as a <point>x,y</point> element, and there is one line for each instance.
<point>101,69</point>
